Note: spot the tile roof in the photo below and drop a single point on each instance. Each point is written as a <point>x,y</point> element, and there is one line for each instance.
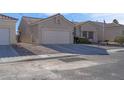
<point>31,20</point>
<point>7,17</point>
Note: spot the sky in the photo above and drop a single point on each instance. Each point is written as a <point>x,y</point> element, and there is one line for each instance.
<point>75,17</point>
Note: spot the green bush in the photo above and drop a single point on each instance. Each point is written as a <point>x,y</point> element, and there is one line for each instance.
<point>119,39</point>
<point>84,41</point>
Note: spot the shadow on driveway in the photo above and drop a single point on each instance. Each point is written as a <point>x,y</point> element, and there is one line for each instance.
<point>14,51</point>
<point>22,51</point>
<point>77,49</point>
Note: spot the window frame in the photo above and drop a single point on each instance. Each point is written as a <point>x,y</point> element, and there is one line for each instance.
<point>87,33</point>
<point>90,37</point>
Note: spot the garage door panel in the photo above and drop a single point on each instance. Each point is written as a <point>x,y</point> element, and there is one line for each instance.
<point>55,37</point>
<point>4,36</point>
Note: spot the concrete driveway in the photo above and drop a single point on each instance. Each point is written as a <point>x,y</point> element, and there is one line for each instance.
<point>7,51</point>
<point>78,49</point>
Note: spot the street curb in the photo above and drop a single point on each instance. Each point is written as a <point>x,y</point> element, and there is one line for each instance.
<point>35,57</point>
<point>115,50</point>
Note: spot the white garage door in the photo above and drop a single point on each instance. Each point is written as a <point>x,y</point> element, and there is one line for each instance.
<point>4,37</point>
<point>55,37</point>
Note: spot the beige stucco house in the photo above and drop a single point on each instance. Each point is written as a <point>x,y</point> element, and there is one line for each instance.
<point>98,31</point>
<point>55,29</point>
<point>7,30</point>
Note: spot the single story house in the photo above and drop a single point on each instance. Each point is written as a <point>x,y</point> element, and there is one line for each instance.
<point>7,30</point>
<point>98,31</point>
<point>55,29</point>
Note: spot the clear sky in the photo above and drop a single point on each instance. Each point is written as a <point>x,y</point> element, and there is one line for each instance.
<point>108,17</point>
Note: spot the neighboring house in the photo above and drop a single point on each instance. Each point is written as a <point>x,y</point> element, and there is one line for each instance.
<point>7,30</point>
<point>55,29</point>
<point>98,31</point>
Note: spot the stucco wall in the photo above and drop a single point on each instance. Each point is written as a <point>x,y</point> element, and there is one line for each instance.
<point>100,33</point>
<point>35,33</point>
<point>112,32</point>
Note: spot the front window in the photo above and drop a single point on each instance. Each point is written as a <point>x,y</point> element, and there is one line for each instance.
<point>85,34</point>
<point>88,34</point>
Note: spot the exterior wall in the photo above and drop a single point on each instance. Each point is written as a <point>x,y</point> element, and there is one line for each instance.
<point>88,27</point>
<point>9,24</point>
<point>25,35</point>
<point>112,32</point>
<point>51,25</point>
<point>35,34</point>
<point>100,33</point>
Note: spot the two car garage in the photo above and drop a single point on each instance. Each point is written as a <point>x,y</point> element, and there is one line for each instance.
<point>56,37</point>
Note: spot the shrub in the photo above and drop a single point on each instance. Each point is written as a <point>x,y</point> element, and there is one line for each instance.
<point>119,39</point>
<point>84,41</point>
<point>106,41</point>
